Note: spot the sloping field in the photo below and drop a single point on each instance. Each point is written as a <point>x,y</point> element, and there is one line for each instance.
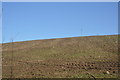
<point>77,57</point>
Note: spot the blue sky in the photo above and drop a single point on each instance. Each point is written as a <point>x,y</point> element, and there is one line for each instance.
<point>45,20</point>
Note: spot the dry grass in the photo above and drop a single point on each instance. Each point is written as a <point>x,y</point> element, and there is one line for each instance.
<point>63,58</point>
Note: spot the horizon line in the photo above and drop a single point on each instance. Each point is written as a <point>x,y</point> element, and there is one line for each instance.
<point>61,38</point>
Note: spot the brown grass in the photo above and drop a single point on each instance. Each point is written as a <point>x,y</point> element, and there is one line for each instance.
<point>63,58</point>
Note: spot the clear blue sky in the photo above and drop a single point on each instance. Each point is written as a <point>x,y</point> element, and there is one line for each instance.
<point>32,21</point>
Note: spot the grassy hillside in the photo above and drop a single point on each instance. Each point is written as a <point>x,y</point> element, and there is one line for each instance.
<point>76,57</point>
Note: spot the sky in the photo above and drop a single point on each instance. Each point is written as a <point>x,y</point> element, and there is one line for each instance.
<point>0,22</point>
<point>24,21</point>
<point>60,0</point>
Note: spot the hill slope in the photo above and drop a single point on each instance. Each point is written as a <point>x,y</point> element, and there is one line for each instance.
<point>65,57</point>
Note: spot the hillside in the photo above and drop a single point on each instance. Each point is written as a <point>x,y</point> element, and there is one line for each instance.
<point>75,57</point>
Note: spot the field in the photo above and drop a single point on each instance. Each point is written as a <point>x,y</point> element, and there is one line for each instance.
<point>76,57</point>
